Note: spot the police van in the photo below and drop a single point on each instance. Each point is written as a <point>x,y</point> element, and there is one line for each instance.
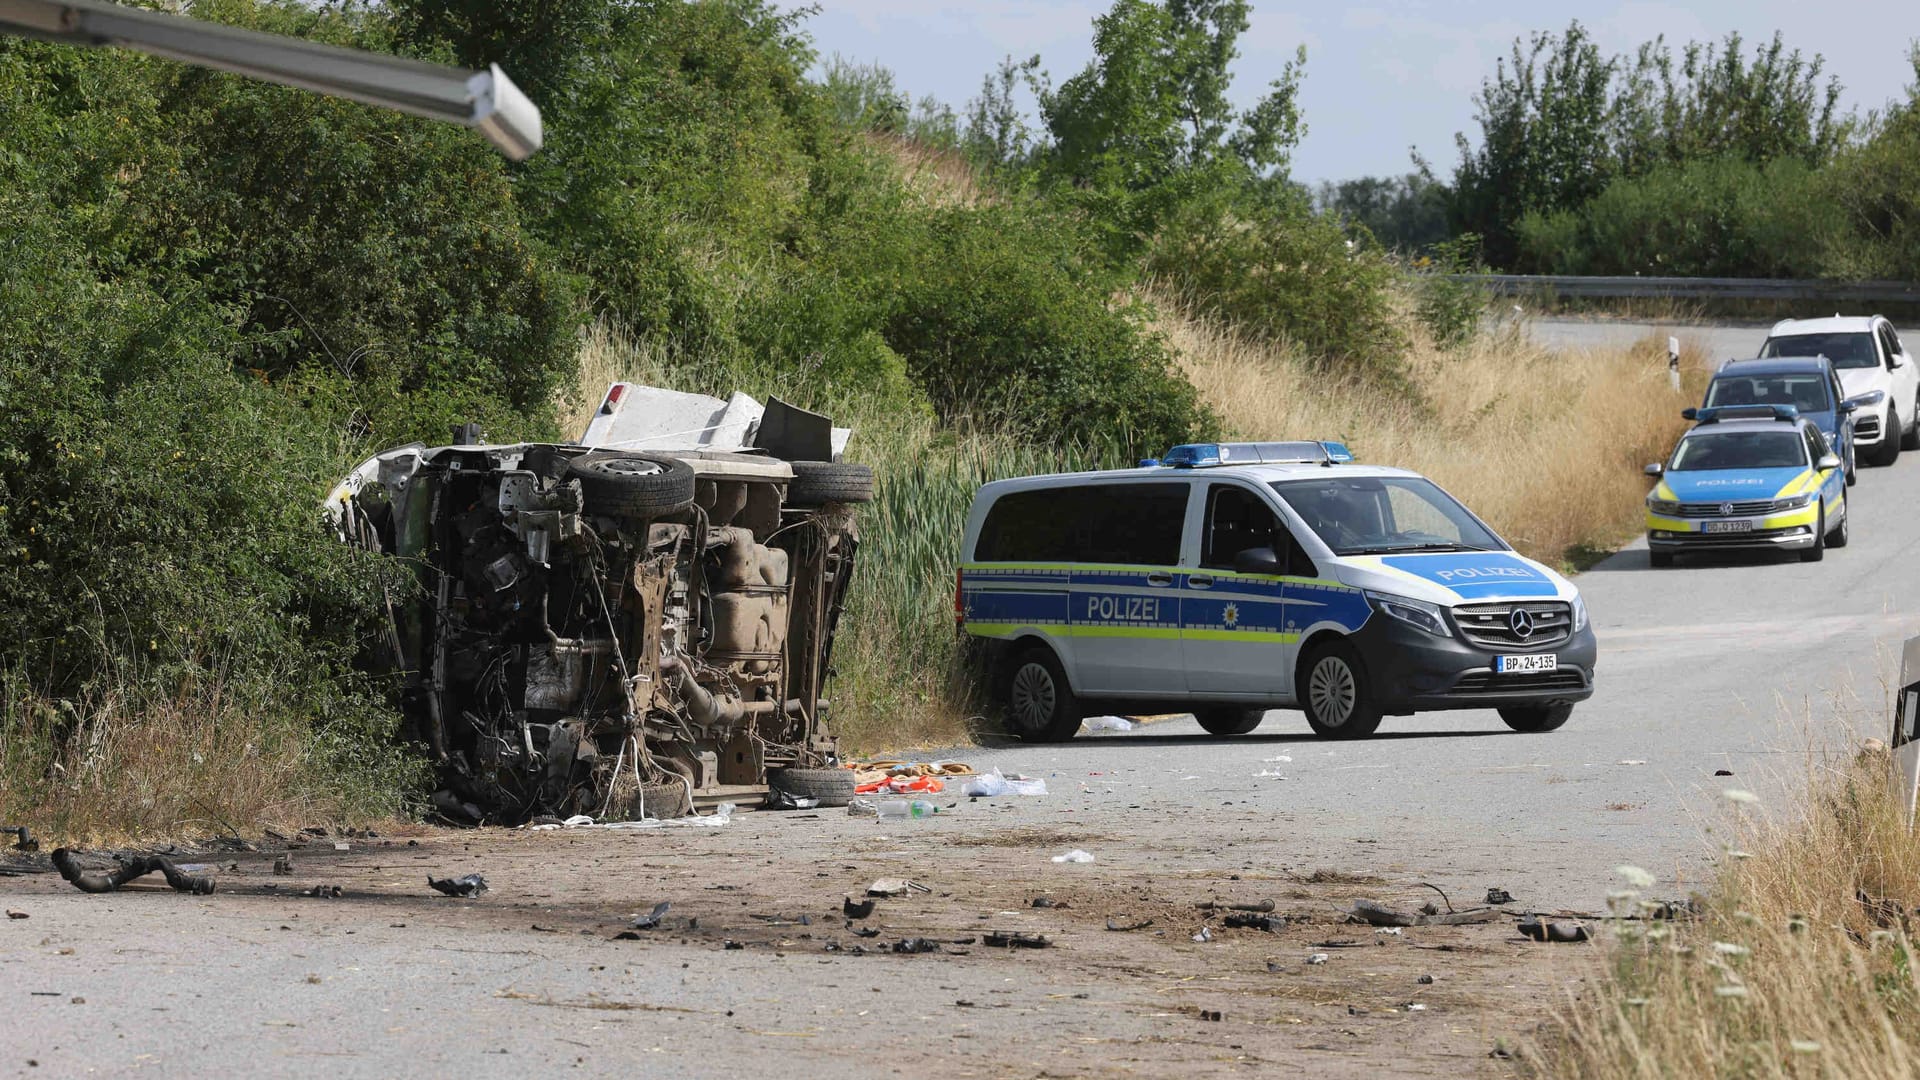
<point>1227,579</point>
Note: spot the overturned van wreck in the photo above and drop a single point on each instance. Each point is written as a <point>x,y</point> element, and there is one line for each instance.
<point>621,629</point>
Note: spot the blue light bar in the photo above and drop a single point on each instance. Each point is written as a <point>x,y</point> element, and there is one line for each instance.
<point>1746,412</point>
<point>1207,455</point>
<point>1191,455</point>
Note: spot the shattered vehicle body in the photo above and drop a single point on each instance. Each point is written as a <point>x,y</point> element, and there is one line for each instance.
<point>624,629</point>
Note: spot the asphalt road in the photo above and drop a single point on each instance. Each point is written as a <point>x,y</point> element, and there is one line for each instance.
<point>1738,664</point>
<point>1720,341</point>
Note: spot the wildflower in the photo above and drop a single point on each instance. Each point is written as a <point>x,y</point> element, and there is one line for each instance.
<point>1635,876</point>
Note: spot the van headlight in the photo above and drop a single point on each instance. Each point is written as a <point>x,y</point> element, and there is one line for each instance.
<point>1663,507</point>
<point>1579,613</point>
<point>1415,613</point>
<point>1794,503</point>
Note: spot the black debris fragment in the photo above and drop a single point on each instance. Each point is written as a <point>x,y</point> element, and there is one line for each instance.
<point>1016,939</point>
<point>916,945</point>
<point>325,892</point>
<point>127,869</point>
<point>856,909</point>
<point>1212,1016</point>
<point>22,839</point>
<point>731,945</point>
<point>466,888</point>
<point>1552,931</point>
<point>1216,905</point>
<point>1247,920</point>
<point>1049,902</point>
<point>1499,896</point>
<point>866,931</point>
<point>283,865</point>
<point>1123,927</point>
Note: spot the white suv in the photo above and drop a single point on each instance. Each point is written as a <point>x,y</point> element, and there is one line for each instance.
<point>1875,369</point>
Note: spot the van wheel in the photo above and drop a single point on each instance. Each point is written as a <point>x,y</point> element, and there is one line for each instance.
<point>817,483</point>
<point>1229,721</point>
<point>1040,706</point>
<point>833,787</point>
<point>1337,698</point>
<point>633,485</point>
<point>1534,719</point>
<point>1819,549</point>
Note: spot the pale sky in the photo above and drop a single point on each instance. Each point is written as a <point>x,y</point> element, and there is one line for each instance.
<point>1380,77</point>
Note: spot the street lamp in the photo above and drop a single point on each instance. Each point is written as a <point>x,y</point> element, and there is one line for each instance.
<point>486,100</point>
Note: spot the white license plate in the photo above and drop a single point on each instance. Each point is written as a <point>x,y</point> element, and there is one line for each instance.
<point>1726,526</point>
<point>1515,665</point>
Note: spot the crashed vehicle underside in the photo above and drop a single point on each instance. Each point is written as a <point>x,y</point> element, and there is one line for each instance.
<point>618,632</point>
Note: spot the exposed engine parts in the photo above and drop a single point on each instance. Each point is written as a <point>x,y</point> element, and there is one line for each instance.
<point>607,633</point>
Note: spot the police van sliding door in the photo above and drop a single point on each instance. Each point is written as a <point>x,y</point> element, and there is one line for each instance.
<point>1233,626</point>
<point>1125,614</point>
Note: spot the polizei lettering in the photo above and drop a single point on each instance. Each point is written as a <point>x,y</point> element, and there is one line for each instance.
<point>1474,573</point>
<point>1124,608</point>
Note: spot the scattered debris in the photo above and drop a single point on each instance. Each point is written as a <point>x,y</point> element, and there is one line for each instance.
<point>1247,920</point>
<point>1377,914</point>
<point>1123,927</point>
<point>1016,939</point>
<point>1394,930</point>
<point>652,919</point>
<point>1723,772</point>
<point>127,869</point>
<point>895,887</point>
<point>863,808</point>
<point>12,914</point>
<point>1317,958</point>
<point>1212,1015</point>
<point>782,799</point>
<point>1106,723</point>
<point>1425,980</point>
<point>1205,934</point>
<point>1217,905</point>
<point>731,945</point>
<point>466,888</point>
<point>22,839</point>
<point>916,945</point>
<point>1632,761</point>
<point>988,785</point>
<point>1499,896</point>
<point>865,931</point>
<point>1074,856</point>
<point>324,892</point>
<point>1049,902</point>
<point>283,866</point>
<point>1552,931</point>
<point>856,909</point>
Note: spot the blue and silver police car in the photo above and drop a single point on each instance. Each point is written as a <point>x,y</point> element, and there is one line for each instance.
<point>1229,579</point>
<point>1748,477</point>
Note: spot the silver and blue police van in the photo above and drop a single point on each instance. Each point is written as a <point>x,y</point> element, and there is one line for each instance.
<point>1227,579</point>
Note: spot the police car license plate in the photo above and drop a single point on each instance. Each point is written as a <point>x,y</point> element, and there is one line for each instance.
<point>1515,665</point>
<point>1726,526</point>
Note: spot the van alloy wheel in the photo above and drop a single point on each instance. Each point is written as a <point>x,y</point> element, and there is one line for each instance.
<point>1034,696</point>
<point>1331,690</point>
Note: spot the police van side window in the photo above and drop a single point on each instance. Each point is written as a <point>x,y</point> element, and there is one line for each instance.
<point>1238,520</point>
<point>1092,523</point>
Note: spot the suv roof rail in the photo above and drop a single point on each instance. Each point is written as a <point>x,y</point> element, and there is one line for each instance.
<point>1208,455</point>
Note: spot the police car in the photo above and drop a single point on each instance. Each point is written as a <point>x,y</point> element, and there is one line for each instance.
<point>1748,477</point>
<point>1228,579</point>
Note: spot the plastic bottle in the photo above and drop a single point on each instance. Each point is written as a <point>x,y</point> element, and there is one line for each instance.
<point>899,808</point>
<point>923,808</point>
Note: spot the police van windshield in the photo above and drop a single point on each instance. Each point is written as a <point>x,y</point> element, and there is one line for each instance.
<point>1373,515</point>
<point>1806,392</point>
<point>1779,448</point>
<point>1852,349</point>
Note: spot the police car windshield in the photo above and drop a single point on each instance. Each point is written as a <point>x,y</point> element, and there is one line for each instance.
<point>1807,392</point>
<point>1775,448</point>
<point>1846,350</point>
<point>1373,515</point>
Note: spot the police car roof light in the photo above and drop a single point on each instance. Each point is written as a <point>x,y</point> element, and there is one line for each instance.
<point>1192,455</point>
<point>1206,455</point>
<point>1786,413</point>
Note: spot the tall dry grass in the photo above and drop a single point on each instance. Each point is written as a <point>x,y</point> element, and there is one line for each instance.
<point>1802,964</point>
<point>1546,446</point>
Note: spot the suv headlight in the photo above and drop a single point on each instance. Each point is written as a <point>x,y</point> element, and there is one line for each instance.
<point>1794,503</point>
<point>1415,613</point>
<point>1663,507</point>
<point>1579,613</point>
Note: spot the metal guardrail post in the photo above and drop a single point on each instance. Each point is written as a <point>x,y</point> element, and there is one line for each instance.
<point>1905,744</point>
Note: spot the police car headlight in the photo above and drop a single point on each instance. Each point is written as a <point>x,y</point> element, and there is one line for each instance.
<point>1794,503</point>
<point>1579,613</point>
<point>1663,507</point>
<point>1415,613</point>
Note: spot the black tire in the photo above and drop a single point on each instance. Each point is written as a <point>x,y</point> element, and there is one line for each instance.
<point>1839,537</point>
<point>817,483</point>
<point>1819,549</point>
<point>1660,560</point>
<point>1335,694</point>
<point>1534,719</point>
<point>1039,705</point>
<point>666,800</point>
<point>1888,450</point>
<point>1910,440</point>
<point>1229,721</point>
<point>633,485</point>
<point>833,787</point>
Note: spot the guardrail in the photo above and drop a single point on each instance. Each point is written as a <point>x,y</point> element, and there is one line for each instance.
<point>1695,288</point>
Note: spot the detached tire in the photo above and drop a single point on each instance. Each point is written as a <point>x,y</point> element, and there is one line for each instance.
<point>668,800</point>
<point>1336,696</point>
<point>833,787</point>
<point>633,485</point>
<point>1534,719</point>
<point>1229,721</point>
<point>1040,706</point>
<point>817,483</point>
